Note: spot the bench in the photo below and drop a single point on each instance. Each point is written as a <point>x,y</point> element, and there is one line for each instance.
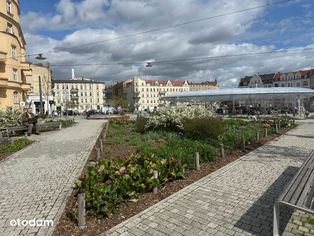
<point>298,194</point>
<point>42,127</point>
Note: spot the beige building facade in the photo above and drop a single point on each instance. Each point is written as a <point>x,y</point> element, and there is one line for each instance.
<point>79,94</point>
<point>208,85</point>
<point>145,94</point>
<point>14,70</point>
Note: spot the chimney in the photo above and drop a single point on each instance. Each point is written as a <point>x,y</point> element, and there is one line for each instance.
<point>73,74</point>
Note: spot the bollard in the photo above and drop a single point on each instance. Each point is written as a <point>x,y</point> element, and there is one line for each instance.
<point>277,130</point>
<point>197,161</point>
<point>243,142</point>
<point>222,150</point>
<point>98,154</point>
<point>101,145</point>
<point>81,211</point>
<point>60,125</point>
<point>155,174</point>
<point>257,137</point>
<point>266,133</point>
<point>279,125</point>
<point>25,135</point>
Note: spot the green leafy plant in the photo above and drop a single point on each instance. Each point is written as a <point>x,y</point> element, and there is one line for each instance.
<point>110,183</point>
<point>17,145</point>
<point>10,118</point>
<point>202,128</point>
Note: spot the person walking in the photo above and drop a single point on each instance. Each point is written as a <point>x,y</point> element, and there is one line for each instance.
<point>29,120</point>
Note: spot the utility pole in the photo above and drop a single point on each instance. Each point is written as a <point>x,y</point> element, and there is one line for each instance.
<point>40,96</point>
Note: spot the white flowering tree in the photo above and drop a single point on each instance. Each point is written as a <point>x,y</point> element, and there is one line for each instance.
<point>172,117</point>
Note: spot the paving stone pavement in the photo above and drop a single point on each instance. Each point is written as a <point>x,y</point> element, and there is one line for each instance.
<point>234,200</point>
<point>35,182</point>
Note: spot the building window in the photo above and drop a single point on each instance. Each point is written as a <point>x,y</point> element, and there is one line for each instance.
<point>13,51</point>
<point>15,97</point>
<point>15,77</point>
<point>305,83</point>
<point>9,7</point>
<point>9,28</point>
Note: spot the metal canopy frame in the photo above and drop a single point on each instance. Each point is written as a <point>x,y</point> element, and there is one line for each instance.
<point>240,94</point>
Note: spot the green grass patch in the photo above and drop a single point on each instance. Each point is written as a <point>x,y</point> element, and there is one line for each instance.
<point>17,145</point>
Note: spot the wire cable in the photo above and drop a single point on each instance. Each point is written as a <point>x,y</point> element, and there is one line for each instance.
<point>160,28</point>
<point>164,61</point>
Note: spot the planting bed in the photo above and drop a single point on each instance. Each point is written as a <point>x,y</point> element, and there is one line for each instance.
<point>8,149</point>
<point>123,140</point>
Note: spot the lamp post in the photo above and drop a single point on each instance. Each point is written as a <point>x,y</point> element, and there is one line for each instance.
<point>40,57</point>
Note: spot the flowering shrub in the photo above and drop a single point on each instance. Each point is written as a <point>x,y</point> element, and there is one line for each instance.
<point>111,182</point>
<point>10,118</point>
<point>171,117</point>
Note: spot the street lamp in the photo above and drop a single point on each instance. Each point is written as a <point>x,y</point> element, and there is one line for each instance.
<point>40,57</point>
<point>148,64</point>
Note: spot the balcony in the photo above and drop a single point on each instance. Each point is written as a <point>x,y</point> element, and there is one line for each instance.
<point>26,87</point>
<point>3,82</point>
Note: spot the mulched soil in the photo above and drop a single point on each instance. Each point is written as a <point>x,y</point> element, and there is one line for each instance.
<point>68,222</point>
<point>5,155</point>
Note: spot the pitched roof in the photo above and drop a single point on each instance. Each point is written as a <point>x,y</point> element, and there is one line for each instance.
<point>164,82</point>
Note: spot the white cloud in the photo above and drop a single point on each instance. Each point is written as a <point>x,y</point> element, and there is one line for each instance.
<point>92,21</point>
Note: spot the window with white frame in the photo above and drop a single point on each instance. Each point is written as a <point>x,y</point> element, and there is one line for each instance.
<point>15,74</point>
<point>13,51</point>
<point>9,7</point>
<point>15,97</point>
<point>9,28</point>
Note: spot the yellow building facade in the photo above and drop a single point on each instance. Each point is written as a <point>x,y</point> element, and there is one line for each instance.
<point>14,70</point>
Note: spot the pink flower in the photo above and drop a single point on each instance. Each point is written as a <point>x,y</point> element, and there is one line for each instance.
<point>122,171</point>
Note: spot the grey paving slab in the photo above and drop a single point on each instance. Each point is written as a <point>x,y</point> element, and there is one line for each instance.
<point>234,200</point>
<point>35,182</point>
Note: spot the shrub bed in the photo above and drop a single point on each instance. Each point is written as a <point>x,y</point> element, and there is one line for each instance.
<point>112,182</point>
<point>167,148</point>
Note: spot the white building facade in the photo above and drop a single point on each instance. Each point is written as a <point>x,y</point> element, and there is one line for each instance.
<point>79,94</point>
<point>145,94</point>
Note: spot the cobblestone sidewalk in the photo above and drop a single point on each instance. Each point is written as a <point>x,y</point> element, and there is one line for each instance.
<point>235,200</point>
<point>35,182</point>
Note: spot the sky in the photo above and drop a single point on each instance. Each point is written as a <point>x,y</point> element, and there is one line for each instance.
<point>100,40</point>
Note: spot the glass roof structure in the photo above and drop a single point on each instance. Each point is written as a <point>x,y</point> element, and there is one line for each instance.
<point>240,94</point>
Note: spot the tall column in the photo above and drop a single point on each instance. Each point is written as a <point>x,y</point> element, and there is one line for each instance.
<point>299,105</point>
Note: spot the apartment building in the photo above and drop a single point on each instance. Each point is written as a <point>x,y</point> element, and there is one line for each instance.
<point>79,94</point>
<point>145,94</point>
<point>257,81</point>
<point>302,78</point>
<point>207,85</point>
<point>14,70</point>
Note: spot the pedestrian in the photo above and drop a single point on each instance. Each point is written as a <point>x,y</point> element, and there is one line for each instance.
<point>29,120</point>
